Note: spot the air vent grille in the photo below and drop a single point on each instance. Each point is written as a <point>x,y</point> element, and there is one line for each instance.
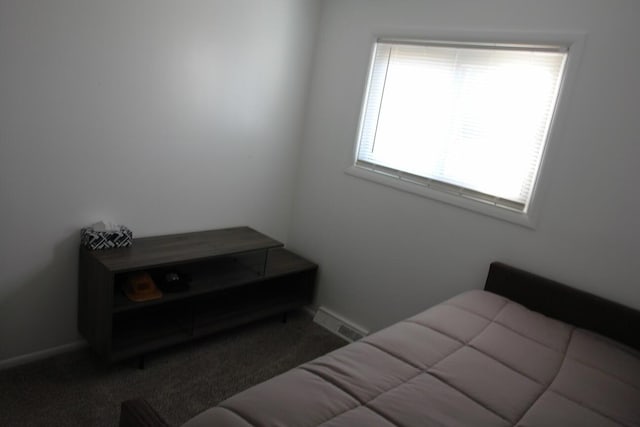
<point>349,333</point>
<point>338,325</point>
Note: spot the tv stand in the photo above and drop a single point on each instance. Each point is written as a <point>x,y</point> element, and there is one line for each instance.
<point>238,275</point>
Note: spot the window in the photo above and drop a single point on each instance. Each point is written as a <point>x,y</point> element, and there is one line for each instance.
<point>469,120</point>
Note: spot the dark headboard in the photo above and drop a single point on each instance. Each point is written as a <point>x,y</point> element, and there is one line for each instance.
<point>562,302</point>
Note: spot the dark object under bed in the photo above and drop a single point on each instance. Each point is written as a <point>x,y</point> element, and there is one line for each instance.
<point>496,357</point>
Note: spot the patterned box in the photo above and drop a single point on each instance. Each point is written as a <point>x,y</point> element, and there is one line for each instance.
<point>95,240</point>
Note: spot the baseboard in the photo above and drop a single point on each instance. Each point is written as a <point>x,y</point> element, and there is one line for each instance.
<point>42,354</point>
<point>339,325</point>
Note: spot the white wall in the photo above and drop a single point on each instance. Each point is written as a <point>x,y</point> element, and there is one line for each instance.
<point>385,254</point>
<point>166,116</point>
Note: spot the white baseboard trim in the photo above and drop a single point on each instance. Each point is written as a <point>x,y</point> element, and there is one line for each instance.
<point>339,325</point>
<point>42,354</point>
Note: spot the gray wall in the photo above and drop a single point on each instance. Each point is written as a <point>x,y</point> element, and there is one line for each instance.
<point>166,116</point>
<point>385,254</point>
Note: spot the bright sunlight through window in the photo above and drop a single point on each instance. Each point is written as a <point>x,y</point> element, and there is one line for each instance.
<point>467,119</point>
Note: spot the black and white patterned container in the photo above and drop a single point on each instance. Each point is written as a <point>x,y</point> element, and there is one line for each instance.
<point>95,240</point>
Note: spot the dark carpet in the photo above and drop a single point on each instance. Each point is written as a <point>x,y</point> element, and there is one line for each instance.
<point>75,389</point>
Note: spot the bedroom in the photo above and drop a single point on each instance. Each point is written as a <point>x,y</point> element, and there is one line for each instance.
<point>208,114</point>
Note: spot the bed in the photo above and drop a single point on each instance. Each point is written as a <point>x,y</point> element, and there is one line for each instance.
<point>525,351</point>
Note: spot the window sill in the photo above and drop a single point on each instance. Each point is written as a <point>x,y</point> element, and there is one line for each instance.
<point>523,219</point>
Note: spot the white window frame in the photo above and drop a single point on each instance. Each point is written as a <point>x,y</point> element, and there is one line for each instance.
<point>573,43</point>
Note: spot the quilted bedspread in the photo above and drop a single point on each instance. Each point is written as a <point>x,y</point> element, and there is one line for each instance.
<point>477,359</point>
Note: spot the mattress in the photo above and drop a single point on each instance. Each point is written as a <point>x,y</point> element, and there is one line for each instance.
<point>477,359</point>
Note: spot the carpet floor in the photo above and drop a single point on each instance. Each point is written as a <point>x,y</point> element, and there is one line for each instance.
<point>75,389</point>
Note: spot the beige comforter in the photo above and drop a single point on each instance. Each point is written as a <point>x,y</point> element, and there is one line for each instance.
<point>477,359</point>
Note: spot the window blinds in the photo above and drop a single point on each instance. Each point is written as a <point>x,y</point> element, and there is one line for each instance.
<point>465,119</point>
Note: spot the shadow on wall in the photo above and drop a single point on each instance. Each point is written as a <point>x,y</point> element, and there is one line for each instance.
<point>40,309</point>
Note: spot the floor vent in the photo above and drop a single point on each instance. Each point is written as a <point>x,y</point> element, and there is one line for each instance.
<point>338,325</point>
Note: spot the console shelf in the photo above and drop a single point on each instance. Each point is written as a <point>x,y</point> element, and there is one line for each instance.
<point>237,275</point>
